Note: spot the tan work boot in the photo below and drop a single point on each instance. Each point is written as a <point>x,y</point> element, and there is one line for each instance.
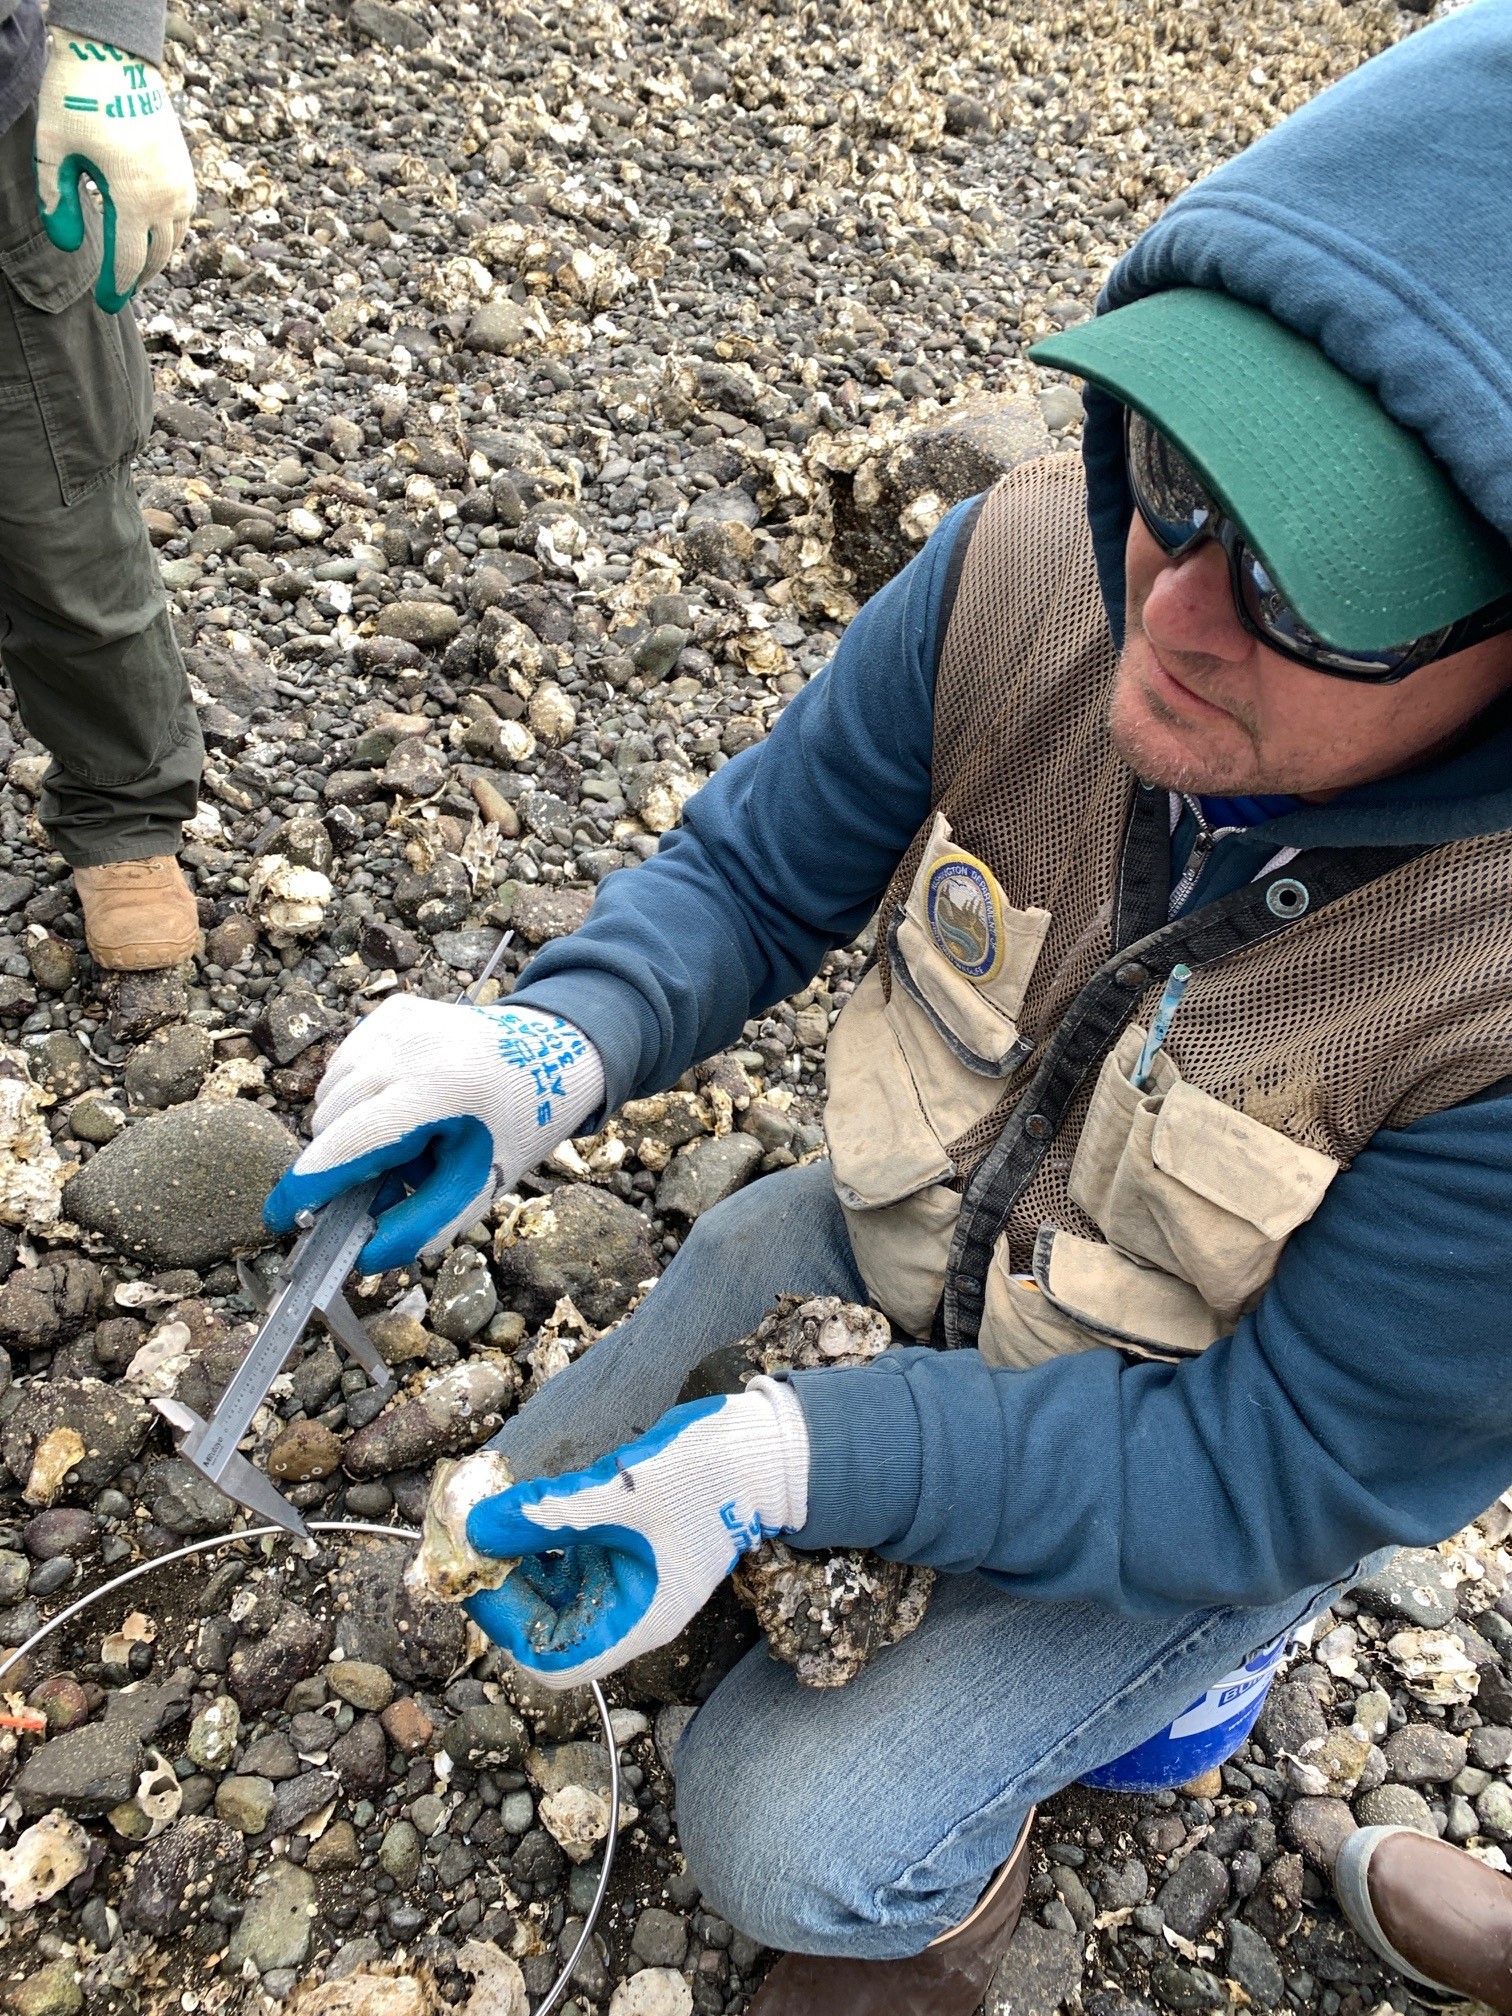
<point>138,913</point>
<point>948,1978</point>
<point>1436,1914</point>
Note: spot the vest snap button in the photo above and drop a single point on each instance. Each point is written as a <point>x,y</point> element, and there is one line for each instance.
<point>968,1284</point>
<point>1134,976</point>
<point>1038,1127</point>
<point>1287,897</point>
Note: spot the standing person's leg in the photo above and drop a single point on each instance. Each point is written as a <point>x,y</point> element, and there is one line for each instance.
<point>782,1236</point>
<point>84,629</point>
<point>866,1821</point>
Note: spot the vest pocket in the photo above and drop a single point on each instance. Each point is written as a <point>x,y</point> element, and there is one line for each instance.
<point>976,1018</point>
<point>901,1250</point>
<point>880,1140</point>
<point>1083,1294</point>
<point>890,1171</point>
<point>1177,1179</point>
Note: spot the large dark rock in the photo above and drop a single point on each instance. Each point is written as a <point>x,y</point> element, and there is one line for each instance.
<point>1290,1719</point>
<point>454,1412</point>
<point>45,1305</point>
<point>1193,1897</point>
<point>264,1669</point>
<point>577,1241</point>
<point>884,511</point>
<point>110,1421</point>
<point>239,678</point>
<point>185,1188</point>
<point>490,1733</point>
<point>1417,1584</point>
<point>379,1621</point>
<point>360,1758</point>
<point>86,1770</point>
<point>170,1066</point>
<point>297,1799</point>
<point>706,1172</point>
<point>1036,1975</point>
<point>175,1875</point>
<point>149,1707</point>
<point>388,26</point>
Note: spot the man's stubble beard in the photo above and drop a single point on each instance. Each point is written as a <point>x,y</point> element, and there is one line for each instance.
<point>1132,708</point>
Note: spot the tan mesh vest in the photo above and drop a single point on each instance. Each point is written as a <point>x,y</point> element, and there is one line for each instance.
<point>987,1140</point>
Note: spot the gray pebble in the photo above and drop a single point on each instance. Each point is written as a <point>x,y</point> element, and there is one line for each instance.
<point>1396,1806</point>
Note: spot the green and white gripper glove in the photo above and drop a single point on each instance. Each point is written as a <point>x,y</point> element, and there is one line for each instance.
<point>106,114</point>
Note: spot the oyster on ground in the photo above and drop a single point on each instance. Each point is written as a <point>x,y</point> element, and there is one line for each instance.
<point>825,1614</point>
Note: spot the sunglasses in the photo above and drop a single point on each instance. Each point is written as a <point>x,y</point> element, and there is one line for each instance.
<point>1180,513</point>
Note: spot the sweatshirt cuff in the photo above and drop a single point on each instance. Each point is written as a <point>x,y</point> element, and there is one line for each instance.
<point>865,1458</point>
<point>609,1013</point>
<point>133,25</point>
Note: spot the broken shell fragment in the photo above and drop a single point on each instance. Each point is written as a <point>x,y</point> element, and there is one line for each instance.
<point>1434,1667</point>
<point>31,1169</point>
<point>448,1565</point>
<point>155,1805</point>
<point>516,741</point>
<point>576,1819</point>
<point>288,899</point>
<point>115,1649</point>
<point>552,714</point>
<point>46,1857</point>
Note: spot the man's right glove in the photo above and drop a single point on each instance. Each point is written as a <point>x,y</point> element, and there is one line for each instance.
<point>104,113</point>
<point>458,1100</point>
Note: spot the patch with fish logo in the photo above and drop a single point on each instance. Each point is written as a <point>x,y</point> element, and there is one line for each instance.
<point>965,909</point>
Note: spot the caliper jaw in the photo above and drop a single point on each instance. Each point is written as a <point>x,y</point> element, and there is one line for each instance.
<point>308,1284</point>
<point>239,1478</point>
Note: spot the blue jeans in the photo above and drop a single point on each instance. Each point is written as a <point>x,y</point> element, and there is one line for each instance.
<point>866,1820</point>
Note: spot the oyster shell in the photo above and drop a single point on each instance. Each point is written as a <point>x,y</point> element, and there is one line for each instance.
<point>448,1565</point>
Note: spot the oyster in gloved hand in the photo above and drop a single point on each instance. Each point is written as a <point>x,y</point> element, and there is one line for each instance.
<point>448,1565</point>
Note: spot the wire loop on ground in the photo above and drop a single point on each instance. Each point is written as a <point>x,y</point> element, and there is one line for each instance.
<point>563,1980</point>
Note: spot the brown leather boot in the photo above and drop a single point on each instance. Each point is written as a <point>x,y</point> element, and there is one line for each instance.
<point>138,914</point>
<point>948,1978</point>
<point>1433,1912</point>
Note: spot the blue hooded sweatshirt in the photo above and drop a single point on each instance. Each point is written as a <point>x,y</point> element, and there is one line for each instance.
<point>1367,1400</point>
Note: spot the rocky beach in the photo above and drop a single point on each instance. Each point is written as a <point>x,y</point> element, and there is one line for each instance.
<point>539,394</point>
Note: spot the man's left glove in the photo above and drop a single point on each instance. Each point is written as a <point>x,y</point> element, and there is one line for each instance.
<point>105,114</point>
<point>619,1557</point>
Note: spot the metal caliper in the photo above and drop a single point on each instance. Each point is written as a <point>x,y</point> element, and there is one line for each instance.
<point>308,1284</point>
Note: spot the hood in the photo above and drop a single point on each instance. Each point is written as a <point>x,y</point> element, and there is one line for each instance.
<point>1376,222</point>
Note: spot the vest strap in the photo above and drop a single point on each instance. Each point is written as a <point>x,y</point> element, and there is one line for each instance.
<point>1103,1008</point>
<point>1142,898</point>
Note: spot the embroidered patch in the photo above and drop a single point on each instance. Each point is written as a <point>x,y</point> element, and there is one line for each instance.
<point>965,910</point>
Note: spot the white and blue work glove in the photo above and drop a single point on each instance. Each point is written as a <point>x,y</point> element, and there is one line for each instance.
<point>616,1559</point>
<point>105,113</point>
<point>455,1102</point>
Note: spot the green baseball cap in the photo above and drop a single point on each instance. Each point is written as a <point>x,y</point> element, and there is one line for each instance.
<point>1363,532</point>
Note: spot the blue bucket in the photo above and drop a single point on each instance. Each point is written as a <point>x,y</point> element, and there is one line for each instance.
<point>1202,1736</point>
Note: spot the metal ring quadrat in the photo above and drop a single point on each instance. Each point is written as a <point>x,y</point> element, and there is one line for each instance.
<point>563,1980</point>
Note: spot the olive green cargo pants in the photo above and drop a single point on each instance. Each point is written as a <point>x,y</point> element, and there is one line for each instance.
<point>85,635</point>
